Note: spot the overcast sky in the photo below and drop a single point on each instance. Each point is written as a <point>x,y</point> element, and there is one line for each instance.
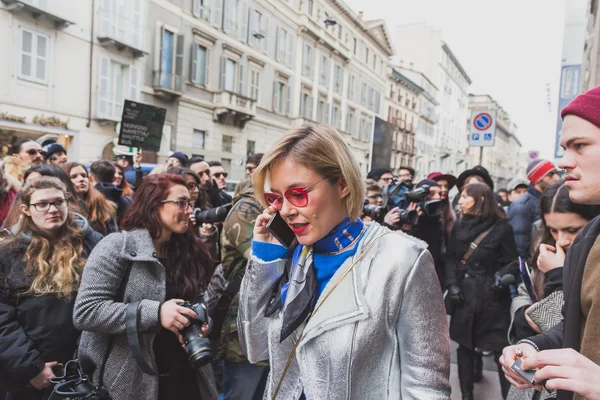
<point>511,49</point>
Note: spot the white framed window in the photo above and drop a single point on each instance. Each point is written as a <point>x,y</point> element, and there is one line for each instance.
<point>254,84</point>
<point>117,82</point>
<point>170,61</point>
<point>363,94</point>
<point>323,111</point>
<point>351,87</point>
<point>201,9</point>
<point>255,29</point>
<point>33,58</point>
<point>281,97</point>
<point>123,20</point>
<point>243,20</point>
<point>227,144</point>
<point>306,104</point>
<point>355,47</point>
<point>371,98</point>
<point>231,16</point>
<point>338,79</point>
<point>336,116</point>
<point>200,64</point>
<point>198,139</point>
<point>250,147</point>
<point>307,60</point>
<point>281,42</point>
<point>217,13</point>
<point>324,71</point>
<point>350,123</point>
<point>229,74</point>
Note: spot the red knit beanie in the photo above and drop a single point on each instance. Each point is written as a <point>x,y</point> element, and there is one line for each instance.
<point>586,106</point>
<point>538,169</point>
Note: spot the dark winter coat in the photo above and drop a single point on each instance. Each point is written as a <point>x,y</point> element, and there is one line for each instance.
<point>483,318</point>
<point>431,231</point>
<point>33,329</point>
<point>522,215</point>
<point>567,334</point>
<point>115,195</point>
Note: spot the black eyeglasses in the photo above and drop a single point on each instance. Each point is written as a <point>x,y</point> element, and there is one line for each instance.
<point>33,152</point>
<point>220,174</point>
<point>45,205</point>
<point>183,204</point>
<point>250,168</point>
<point>192,185</point>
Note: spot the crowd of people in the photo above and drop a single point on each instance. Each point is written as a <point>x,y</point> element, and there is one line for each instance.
<point>122,274</point>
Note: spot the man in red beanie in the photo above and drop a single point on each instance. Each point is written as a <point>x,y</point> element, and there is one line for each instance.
<point>524,212</point>
<point>567,357</point>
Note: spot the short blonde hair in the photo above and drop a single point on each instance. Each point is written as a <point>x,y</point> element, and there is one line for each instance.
<point>321,149</point>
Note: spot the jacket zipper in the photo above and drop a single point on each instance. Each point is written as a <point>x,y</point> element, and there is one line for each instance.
<point>348,379</point>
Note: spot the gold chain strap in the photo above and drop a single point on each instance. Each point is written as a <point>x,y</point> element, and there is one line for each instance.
<point>293,352</point>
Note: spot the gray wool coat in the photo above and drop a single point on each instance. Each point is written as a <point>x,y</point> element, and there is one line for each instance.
<point>100,316</point>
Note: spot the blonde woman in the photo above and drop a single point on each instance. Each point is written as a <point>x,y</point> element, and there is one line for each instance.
<point>350,312</point>
<point>40,270</point>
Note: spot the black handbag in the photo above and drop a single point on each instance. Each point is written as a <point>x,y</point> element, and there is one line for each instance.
<point>74,385</point>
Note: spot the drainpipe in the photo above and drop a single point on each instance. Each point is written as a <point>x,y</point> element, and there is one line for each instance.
<point>91,64</point>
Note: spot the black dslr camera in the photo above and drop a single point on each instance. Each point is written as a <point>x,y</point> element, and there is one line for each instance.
<point>217,214</point>
<point>198,348</point>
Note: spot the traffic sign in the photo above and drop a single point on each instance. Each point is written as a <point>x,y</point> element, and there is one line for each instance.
<point>533,155</point>
<point>482,128</point>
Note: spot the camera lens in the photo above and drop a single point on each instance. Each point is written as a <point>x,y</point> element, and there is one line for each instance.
<point>198,348</point>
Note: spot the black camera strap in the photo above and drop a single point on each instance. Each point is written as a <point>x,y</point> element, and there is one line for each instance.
<point>132,317</point>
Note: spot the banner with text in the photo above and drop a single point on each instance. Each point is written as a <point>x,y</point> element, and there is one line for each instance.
<point>142,126</point>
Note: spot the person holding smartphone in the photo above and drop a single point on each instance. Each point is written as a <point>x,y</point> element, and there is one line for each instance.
<point>347,311</point>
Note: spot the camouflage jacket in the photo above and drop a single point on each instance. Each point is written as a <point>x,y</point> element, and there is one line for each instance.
<point>236,243</point>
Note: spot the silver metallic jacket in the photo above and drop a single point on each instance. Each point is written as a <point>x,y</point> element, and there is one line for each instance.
<point>381,334</point>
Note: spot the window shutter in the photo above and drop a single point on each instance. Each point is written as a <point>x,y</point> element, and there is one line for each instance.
<point>288,100</point>
<point>179,56</point>
<point>138,22</point>
<point>278,44</point>
<point>252,27</point>
<point>196,8</point>
<point>133,83</point>
<point>103,87</point>
<point>267,38</point>
<point>310,108</point>
<point>207,66</point>
<point>194,64</point>
<point>105,21</point>
<point>241,80</point>
<point>290,50</point>
<point>244,15</point>
<point>223,73</point>
<point>217,13</point>
<point>230,16</point>
<point>276,99</point>
<point>326,113</point>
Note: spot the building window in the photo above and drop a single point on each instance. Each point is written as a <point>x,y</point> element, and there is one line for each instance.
<point>323,111</point>
<point>117,82</point>
<point>201,9</point>
<point>351,85</point>
<point>229,74</point>
<point>281,97</point>
<point>350,122</point>
<point>250,148</point>
<point>255,24</point>
<point>200,64</point>
<point>123,21</point>
<point>338,79</point>
<point>336,117</point>
<point>198,139</point>
<point>324,73</point>
<point>355,46</point>
<point>34,56</point>
<point>307,60</point>
<point>227,143</point>
<point>306,105</point>
<point>280,54</point>
<point>230,20</point>
<point>171,61</point>
<point>363,94</point>
<point>254,84</point>
<point>340,34</point>
<point>374,62</point>
<point>310,7</point>
<point>366,55</point>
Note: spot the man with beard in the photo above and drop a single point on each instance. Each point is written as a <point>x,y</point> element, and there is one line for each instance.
<point>524,212</point>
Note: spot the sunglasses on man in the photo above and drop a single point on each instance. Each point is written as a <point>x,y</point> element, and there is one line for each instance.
<point>220,174</point>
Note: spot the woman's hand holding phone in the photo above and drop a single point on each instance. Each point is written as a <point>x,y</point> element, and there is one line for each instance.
<point>261,233</point>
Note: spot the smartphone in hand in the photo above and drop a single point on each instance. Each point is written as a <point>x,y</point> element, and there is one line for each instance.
<point>281,230</point>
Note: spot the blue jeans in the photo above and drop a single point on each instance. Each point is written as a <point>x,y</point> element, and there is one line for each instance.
<point>243,381</point>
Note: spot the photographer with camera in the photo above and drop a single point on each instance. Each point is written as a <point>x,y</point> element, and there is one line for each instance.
<point>149,269</point>
<point>481,247</point>
<point>429,227</point>
<point>342,310</point>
